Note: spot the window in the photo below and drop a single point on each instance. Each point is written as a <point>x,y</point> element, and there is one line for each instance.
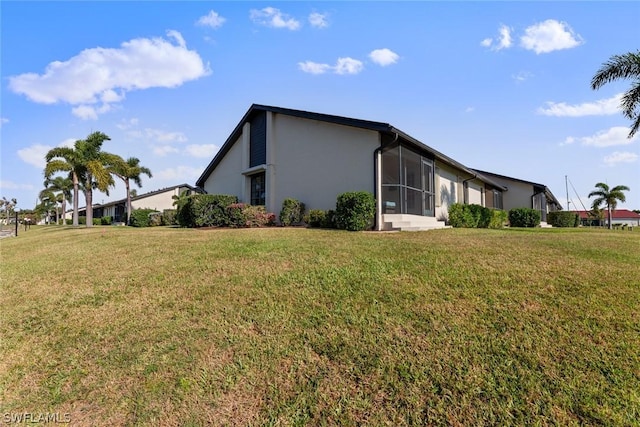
<point>258,189</point>
<point>497,199</point>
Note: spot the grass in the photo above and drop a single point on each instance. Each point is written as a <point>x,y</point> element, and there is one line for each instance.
<point>161,326</point>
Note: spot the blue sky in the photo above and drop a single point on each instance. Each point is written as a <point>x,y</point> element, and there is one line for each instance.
<point>498,86</point>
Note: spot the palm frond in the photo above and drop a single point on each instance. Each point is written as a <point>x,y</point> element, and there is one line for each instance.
<point>617,67</point>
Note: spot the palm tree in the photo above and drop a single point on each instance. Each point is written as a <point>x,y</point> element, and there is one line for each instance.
<point>87,164</point>
<point>129,170</point>
<point>66,159</point>
<point>62,187</point>
<point>625,66</point>
<point>608,196</point>
<point>48,200</point>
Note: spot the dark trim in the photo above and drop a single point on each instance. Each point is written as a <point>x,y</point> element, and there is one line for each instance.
<point>537,188</point>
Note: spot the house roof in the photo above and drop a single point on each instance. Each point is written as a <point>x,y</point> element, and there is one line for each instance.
<point>542,187</point>
<point>340,120</point>
<point>615,214</point>
<point>142,196</point>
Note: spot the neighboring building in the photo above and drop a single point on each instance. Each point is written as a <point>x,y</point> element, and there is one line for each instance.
<point>275,153</point>
<point>526,194</point>
<point>618,216</point>
<point>159,200</point>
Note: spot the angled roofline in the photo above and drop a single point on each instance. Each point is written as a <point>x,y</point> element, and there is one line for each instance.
<point>140,196</point>
<point>546,189</point>
<point>340,120</point>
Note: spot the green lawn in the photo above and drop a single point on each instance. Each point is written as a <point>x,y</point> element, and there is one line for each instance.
<point>162,326</point>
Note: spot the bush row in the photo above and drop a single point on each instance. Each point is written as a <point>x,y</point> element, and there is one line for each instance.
<point>524,217</point>
<point>152,218</point>
<point>563,219</point>
<point>355,211</point>
<point>476,216</point>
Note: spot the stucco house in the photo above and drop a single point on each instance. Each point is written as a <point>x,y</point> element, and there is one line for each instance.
<point>159,200</point>
<point>526,194</point>
<point>618,216</point>
<point>275,153</point>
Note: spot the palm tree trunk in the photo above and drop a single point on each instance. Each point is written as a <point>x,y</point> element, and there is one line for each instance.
<point>609,212</point>
<point>88,195</point>
<point>126,184</point>
<point>75,200</point>
<point>64,211</point>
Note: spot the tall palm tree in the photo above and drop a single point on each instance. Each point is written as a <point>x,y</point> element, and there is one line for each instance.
<point>66,159</point>
<point>49,200</point>
<point>62,187</point>
<point>609,196</point>
<point>87,165</point>
<point>128,170</point>
<point>625,66</point>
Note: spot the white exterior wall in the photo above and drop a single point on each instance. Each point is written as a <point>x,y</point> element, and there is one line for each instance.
<point>227,177</point>
<point>315,161</point>
<point>474,192</point>
<point>446,189</point>
<point>518,194</point>
<point>159,202</point>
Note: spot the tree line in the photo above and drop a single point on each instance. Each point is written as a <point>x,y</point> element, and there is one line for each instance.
<point>85,167</point>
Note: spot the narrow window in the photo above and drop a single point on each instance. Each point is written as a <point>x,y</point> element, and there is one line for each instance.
<point>258,189</point>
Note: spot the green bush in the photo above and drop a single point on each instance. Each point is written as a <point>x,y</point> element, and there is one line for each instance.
<point>105,220</point>
<point>315,218</point>
<point>68,221</point>
<point>235,215</point>
<point>155,219</point>
<point>355,211</point>
<point>169,217</point>
<point>205,210</point>
<point>292,212</point>
<point>563,219</point>
<point>330,219</point>
<point>96,221</point>
<point>524,217</point>
<point>498,218</point>
<point>141,217</point>
<point>475,216</point>
<point>257,216</point>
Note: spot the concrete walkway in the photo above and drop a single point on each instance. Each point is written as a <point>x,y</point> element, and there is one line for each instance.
<point>6,233</point>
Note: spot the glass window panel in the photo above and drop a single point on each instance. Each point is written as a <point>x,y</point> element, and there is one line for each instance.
<point>411,168</point>
<point>413,200</point>
<point>391,199</point>
<point>391,166</point>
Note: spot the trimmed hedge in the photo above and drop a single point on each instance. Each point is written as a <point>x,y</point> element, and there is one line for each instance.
<point>205,210</point>
<point>524,217</point>
<point>169,217</point>
<point>105,220</point>
<point>475,216</point>
<point>142,218</point>
<point>563,219</point>
<point>243,215</point>
<point>292,212</point>
<point>355,211</point>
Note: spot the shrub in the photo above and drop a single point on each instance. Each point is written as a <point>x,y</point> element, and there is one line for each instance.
<point>69,221</point>
<point>524,217</point>
<point>141,217</point>
<point>96,221</point>
<point>82,220</point>
<point>330,219</point>
<point>563,219</point>
<point>460,216</point>
<point>257,216</point>
<point>205,210</point>
<point>315,218</point>
<point>169,217</point>
<point>105,220</point>
<point>235,215</point>
<point>355,210</point>
<point>292,212</point>
<point>155,219</point>
<point>498,218</point>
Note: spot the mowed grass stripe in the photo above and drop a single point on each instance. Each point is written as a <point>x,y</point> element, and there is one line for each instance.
<point>164,326</point>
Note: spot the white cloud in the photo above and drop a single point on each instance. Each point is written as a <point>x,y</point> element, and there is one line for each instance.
<point>34,154</point>
<point>384,57</point>
<point>343,66</point>
<point>3,120</point>
<point>163,136</point>
<point>318,20</point>
<point>163,150</point>
<point>272,17</point>
<point>602,107</point>
<point>502,41</point>
<point>98,77</point>
<point>348,66</point>
<point>620,157</point>
<point>10,185</point>
<point>314,67</point>
<point>548,36</point>
<point>212,19</point>
<point>617,135</point>
<point>127,124</point>
<point>522,76</point>
<point>179,173</point>
<point>470,109</point>
<point>203,150</point>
